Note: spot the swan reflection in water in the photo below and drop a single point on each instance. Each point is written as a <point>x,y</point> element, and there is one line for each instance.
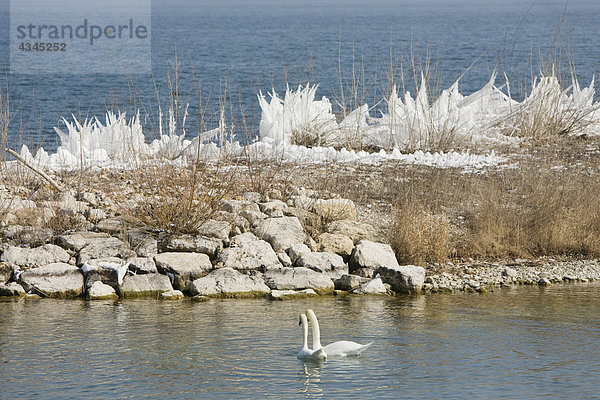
<point>310,377</point>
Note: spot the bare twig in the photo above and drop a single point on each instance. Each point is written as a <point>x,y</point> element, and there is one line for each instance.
<point>41,173</point>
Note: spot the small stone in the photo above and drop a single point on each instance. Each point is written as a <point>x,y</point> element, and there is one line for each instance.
<point>11,289</point>
<point>296,251</point>
<point>544,282</point>
<point>284,259</point>
<point>291,294</point>
<point>172,295</point>
<point>509,272</point>
<point>102,291</point>
<point>200,298</point>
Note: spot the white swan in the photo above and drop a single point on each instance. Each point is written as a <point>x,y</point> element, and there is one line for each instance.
<point>305,353</point>
<point>341,348</point>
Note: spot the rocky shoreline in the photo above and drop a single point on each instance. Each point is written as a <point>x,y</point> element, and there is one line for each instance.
<point>251,246</point>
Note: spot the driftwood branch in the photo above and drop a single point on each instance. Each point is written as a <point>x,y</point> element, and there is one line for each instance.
<point>41,173</point>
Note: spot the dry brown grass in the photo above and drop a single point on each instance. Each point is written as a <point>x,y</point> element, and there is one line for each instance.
<point>418,236</point>
<point>548,206</point>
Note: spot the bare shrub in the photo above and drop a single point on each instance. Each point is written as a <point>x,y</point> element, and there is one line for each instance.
<point>418,236</point>
<point>178,199</point>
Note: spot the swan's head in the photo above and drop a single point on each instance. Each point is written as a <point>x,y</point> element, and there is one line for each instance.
<point>310,314</point>
<point>302,319</point>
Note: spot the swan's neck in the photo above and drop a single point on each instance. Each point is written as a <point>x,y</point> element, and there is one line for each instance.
<point>316,332</point>
<point>305,332</point>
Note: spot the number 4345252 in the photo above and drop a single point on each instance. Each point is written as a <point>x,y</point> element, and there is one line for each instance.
<point>41,46</point>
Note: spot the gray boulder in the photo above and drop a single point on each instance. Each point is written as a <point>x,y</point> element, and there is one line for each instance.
<point>31,235</point>
<point>281,232</point>
<point>284,259</point>
<point>101,291</point>
<point>253,217</point>
<point>291,294</point>
<point>215,229</point>
<point>353,229</point>
<point>273,208</point>
<point>144,244</point>
<point>248,253</point>
<point>374,286</point>
<point>296,251</point>
<point>172,295</point>
<point>142,265</point>
<point>190,244</point>
<point>110,271</point>
<point>369,256</point>
<point>323,262</point>
<point>78,240</point>
<point>11,289</point>
<point>36,257</point>
<point>183,267</point>
<point>349,282</point>
<point>6,272</point>
<point>57,280</point>
<point>336,243</point>
<point>149,285</point>
<point>113,226</point>
<point>227,282</point>
<point>297,279</point>
<point>403,279</point>
<point>109,247</point>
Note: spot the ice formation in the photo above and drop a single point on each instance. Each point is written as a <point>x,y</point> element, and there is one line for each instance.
<point>300,128</point>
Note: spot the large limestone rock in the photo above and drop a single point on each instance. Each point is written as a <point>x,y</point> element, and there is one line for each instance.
<point>78,240</point>
<point>148,285</point>
<point>6,272</point>
<point>296,251</point>
<point>248,253</point>
<point>336,243</point>
<point>172,295</point>
<point>190,244</point>
<point>101,291</point>
<point>215,229</point>
<point>291,294</point>
<point>281,232</point>
<point>37,257</point>
<point>368,256</point>
<point>273,208</point>
<point>403,279</point>
<point>11,289</point>
<point>323,262</point>
<point>183,267</point>
<point>297,279</point>
<point>113,226</point>
<point>336,209</point>
<point>227,282</point>
<point>109,247</point>
<point>142,265</point>
<point>253,217</point>
<point>144,244</point>
<point>374,286</point>
<point>353,229</point>
<point>57,280</point>
<point>31,235</point>
<point>110,271</point>
<point>349,282</point>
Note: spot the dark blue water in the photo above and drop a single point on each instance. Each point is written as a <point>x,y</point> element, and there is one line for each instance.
<point>231,49</point>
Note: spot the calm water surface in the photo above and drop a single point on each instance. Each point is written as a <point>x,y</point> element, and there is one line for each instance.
<point>526,342</point>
